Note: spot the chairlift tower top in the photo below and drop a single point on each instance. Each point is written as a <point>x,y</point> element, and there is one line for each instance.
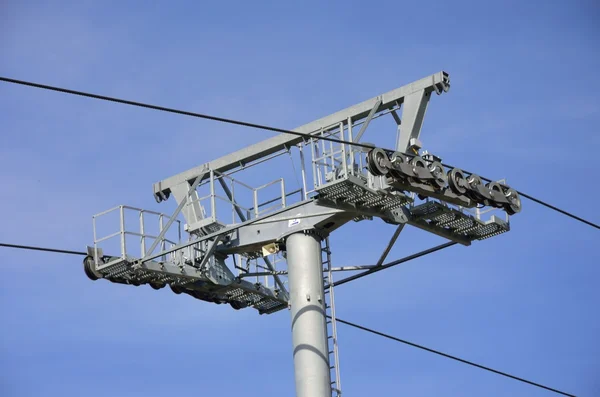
<point>237,243</point>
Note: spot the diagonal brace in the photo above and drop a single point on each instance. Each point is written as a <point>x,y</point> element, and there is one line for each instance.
<point>363,128</point>
<point>174,216</point>
<point>387,249</point>
<point>210,251</point>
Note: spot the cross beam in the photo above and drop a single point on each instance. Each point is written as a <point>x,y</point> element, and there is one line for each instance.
<point>411,123</point>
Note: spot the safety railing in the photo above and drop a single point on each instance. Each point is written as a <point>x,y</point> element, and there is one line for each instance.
<point>149,224</point>
<point>223,188</point>
<point>330,159</point>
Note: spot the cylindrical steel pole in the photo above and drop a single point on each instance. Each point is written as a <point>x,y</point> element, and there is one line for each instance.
<point>309,328</point>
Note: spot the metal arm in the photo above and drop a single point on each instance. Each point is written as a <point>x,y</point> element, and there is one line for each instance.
<point>437,82</point>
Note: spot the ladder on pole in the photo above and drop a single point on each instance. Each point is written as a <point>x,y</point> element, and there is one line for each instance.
<point>332,339</point>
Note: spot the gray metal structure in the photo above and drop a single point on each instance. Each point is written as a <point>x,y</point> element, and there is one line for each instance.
<point>199,251</point>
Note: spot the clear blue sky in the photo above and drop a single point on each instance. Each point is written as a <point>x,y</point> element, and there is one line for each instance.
<point>523,105</point>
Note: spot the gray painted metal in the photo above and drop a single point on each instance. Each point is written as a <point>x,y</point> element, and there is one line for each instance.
<point>192,211</point>
<point>226,230</point>
<point>309,329</point>
<point>415,106</point>
<point>309,215</point>
<point>242,216</point>
<point>387,249</point>
<point>342,191</point>
<point>283,141</point>
<point>363,128</point>
<point>173,217</point>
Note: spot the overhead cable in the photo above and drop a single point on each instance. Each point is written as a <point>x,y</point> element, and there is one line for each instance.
<point>252,125</point>
<point>471,363</point>
<point>182,112</point>
<point>434,249</point>
<point>33,248</point>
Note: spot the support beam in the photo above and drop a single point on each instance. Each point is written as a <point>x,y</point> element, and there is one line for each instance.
<point>174,216</point>
<point>210,251</point>
<point>387,249</point>
<point>226,230</point>
<point>396,117</point>
<point>376,269</point>
<point>192,213</point>
<point>363,128</point>
<point>283,141</point>
<point>413,113</point>
<point>309,330</point>
<point>398,124</point>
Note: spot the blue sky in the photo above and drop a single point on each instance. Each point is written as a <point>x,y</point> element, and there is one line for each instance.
<point>523,105</point>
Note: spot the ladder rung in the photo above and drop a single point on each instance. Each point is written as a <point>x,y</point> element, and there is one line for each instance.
<point>331,352</point>
<point>332,367</point>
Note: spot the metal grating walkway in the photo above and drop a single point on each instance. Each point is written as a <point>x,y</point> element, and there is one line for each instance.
<point>441,216</point>
<point>352,190</point>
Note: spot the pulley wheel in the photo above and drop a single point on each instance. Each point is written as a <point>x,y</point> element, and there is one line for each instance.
<point>156,286</point>
<point>397,158</point>
<point>457,181</point>
<point>440,178</point>
<point>495,187</point>
<point>514,202</point>
<point>175,289</point>
<point>89,268</point>
<point>375,162</point>
<point>417,163</point>
<point>473,182</point>
<point>237,305</point>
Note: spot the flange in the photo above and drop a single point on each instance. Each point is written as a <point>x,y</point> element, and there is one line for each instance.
<point>376,159</point>
<point>457,181</point>
<point>89,267</point>
<point>396,159</point>
<point>439,176</point>
<point>514,202</point>
<point>495,189</point>
<point>474,182</point>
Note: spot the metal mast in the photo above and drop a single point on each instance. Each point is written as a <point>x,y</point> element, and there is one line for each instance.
<point>307,307</point>
<point>226,240</point>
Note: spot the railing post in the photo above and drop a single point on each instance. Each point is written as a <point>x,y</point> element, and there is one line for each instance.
<point>315,167</point>
<point>255,193</point>
<point>143,237</point>
<point>162,242</point>
<point>212,196</point>
<point>233,202</point>
<point>344,159</point>
<point>282,193</point>
<point>303,172</point>
<point>123,246</point>
<point>350,147</point>
<point>95,239</point>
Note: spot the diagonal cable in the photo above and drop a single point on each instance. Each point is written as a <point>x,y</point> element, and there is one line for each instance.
<point>62,251</point>
<point>461,360</point>
<point>257,126</point>
<point>34,248</point>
